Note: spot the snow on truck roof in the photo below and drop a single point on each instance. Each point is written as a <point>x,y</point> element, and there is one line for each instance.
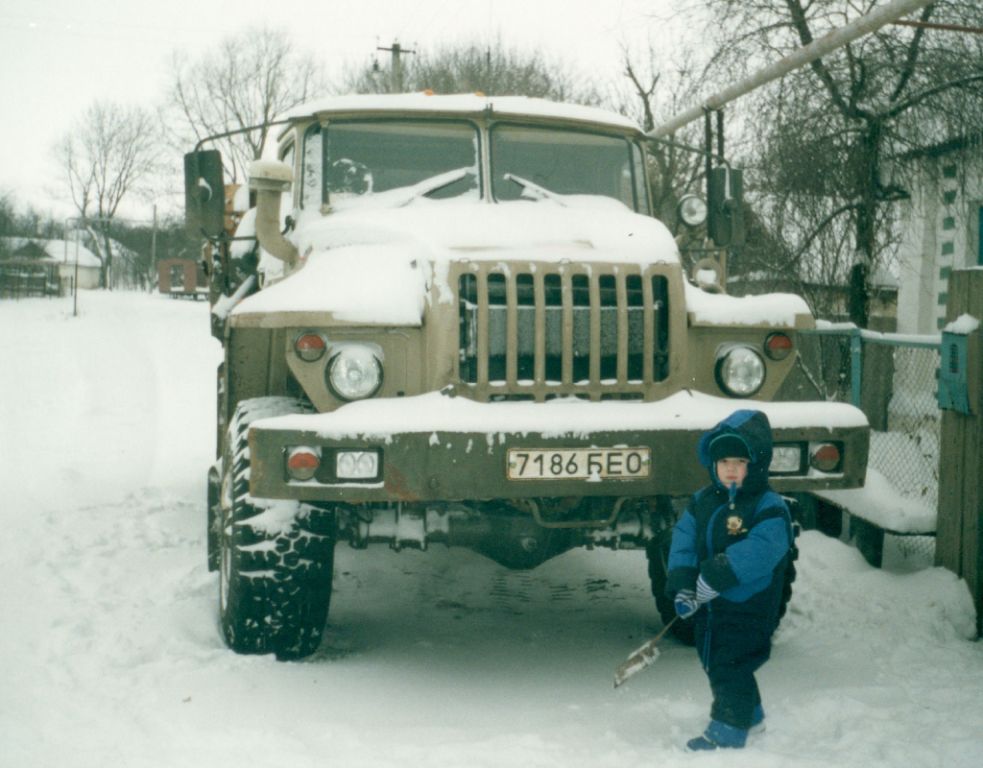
<point>468,104</point>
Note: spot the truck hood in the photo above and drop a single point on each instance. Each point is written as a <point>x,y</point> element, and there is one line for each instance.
<point>371,264</point>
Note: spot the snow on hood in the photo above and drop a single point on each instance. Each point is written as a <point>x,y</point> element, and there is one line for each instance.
<point>360,284</point>
<point>371,264</point>
<point>773,309</point>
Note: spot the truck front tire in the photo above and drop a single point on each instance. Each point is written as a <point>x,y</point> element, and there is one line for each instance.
<point>275,557</point>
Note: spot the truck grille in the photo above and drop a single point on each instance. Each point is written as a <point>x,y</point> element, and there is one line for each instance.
<point>600,332</point>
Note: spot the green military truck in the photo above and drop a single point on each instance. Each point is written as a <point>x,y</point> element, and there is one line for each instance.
<point>454,319</point>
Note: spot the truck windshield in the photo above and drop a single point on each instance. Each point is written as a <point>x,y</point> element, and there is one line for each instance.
<point>366,158</point>
<point>565,162</point>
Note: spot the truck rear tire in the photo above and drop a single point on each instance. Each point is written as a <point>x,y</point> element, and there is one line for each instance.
<point>657,553</point>
<point>275,557</point>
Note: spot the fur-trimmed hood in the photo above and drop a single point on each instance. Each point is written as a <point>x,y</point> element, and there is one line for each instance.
<point>753,428</point>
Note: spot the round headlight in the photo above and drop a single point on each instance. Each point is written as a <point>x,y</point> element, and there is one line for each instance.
<point>740,372</point>
<point>354,372</point>
<point>692,210</point>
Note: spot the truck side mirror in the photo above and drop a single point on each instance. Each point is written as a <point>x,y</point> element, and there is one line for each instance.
<point>204,196</point>
<point>725,201</point>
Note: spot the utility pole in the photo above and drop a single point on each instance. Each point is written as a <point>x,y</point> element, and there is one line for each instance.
<point>396,66</point>
<point>153,248</point>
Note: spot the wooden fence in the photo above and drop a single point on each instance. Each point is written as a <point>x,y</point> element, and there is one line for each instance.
<point>959,544</point>
<point>20,278</point>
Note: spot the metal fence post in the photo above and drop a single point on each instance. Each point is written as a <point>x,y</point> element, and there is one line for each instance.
<point>856,366</point>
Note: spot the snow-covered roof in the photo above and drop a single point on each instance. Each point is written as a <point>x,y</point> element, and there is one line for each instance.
<point>61,251</point>
<point>66,250</point>
<point>465,104</point>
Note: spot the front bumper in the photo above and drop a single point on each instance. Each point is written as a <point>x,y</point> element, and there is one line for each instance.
<point>439,448</point>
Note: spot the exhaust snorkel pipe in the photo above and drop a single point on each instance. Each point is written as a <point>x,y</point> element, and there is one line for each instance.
<point>270,179</point>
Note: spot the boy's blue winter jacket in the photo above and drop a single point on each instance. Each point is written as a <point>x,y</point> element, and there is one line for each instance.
<point>738,539</point>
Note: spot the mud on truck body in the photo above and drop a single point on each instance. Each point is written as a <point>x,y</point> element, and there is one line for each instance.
<point>461,324</point>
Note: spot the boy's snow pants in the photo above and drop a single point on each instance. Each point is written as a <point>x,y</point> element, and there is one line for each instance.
<point>731,647</point>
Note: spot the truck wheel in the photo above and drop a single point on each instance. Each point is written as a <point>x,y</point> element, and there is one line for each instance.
<point>213,502</point>
<point>275,557</point>
<point>657,552</point>
<point>790,572</point>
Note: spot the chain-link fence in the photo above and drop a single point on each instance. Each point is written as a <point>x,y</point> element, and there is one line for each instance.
<point>893,379</point>
<point>907,452</point>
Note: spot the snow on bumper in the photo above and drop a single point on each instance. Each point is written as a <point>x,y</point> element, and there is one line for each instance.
<point>435,447</point>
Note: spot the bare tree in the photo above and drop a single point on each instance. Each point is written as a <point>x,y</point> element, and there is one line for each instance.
<point>8,217</point>
<point>489,68</point>
<point>250,79</point>
<point>111,152</point>
<point>828,136</point>
<point>654,89</point>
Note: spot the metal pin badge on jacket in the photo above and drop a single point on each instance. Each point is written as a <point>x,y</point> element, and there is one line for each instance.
<point>735,526</point>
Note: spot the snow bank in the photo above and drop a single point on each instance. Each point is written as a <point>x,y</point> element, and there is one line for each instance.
<point>880,503</point>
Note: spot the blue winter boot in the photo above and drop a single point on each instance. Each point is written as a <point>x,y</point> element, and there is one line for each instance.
<point>720,735</point>
<point>757,720</point>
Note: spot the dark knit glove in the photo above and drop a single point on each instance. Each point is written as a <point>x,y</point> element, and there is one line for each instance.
<point>686,603</point>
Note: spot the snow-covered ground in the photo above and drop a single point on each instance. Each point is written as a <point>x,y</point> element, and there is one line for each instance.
<point>110,654</point>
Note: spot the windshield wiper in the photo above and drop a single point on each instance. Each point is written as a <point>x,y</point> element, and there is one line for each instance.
<point>431,185</point>
<point>535,191</point>
<point>399,197</point>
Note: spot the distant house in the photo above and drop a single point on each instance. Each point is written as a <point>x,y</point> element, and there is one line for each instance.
<point>941,229</point>
<point>40,267</point>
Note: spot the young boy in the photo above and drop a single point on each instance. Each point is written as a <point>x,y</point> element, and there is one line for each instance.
<point>726,571</point>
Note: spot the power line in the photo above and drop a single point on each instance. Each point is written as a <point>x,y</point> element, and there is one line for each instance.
<point>944,27</point>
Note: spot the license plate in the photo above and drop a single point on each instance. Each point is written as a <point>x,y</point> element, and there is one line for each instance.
<point>592,464</point>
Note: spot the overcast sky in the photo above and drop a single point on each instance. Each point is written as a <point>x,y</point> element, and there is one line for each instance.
<point>59,56</point>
